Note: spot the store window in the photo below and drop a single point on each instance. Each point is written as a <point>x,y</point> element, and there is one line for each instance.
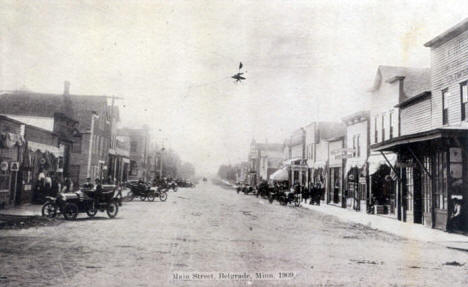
<point>464,100</point>
<point>445,96</point>
<point>410,188</point>
<point>440,177</point>
<point>427,185</point>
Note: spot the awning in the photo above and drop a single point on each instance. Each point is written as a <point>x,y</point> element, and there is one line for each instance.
<point>444,132</point>
<point>319,164</point>
<point>376,160</point>
<point>280,175</point>
<point>291,161</point>
<point>57,151</point>
<point>354,162</point>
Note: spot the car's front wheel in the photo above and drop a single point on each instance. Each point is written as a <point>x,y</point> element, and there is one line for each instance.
<point>49,210</point>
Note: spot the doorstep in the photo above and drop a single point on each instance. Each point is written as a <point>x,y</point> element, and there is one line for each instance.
<point>390,225</point>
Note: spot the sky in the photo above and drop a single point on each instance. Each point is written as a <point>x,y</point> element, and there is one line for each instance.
<point>171,61</point>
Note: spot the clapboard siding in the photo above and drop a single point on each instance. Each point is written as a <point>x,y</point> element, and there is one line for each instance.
<point>449,67</point>
<point>416,117</point>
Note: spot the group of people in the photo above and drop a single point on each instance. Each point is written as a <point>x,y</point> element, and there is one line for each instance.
<point>50,184</point>
<point>313,192</point>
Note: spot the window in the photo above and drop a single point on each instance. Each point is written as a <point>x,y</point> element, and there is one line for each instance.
<point>390,119</point>
<point>464,100</point>
<point>440,177</point>
<point>383,127</point>
<point>133,146</point>
<point>376,137</point>
<point>76,147</point>
<point>358,145</point>
<point>354,145</point>
<point>410,188</point>
<point>427,185</point>
<point>445,96</point>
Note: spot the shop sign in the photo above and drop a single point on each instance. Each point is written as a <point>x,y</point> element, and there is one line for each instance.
<point>362,180</point>
<point>14,166</point>
<point>4,166</point>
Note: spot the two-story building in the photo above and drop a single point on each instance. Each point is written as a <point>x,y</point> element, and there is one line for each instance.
<point>296,160</point>
<point>317,135</point>
<point>392,85</point>
<point>357,151</point>
<point>263,160</point>
<point>139,152</point>
<point>434,159</point>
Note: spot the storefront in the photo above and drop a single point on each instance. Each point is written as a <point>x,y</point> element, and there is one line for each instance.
<point>434,169</point>
<point>298,171</point>
<point>356,185</point>
<point>11,152</point>
<point>382,184</point>
<point>318,176</point>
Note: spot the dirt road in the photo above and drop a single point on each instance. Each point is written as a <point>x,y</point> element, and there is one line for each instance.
<point>212,231</point>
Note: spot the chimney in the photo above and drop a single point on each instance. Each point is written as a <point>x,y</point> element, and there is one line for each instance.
<point>66,88</point>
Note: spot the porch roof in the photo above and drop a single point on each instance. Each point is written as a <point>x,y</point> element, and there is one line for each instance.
<point>444,132</point>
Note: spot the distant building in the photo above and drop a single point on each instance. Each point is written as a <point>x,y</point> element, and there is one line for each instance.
<point>139,152</point>
<point>264,159</point>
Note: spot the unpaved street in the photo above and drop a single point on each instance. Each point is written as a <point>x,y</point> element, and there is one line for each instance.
<point>212,229</point>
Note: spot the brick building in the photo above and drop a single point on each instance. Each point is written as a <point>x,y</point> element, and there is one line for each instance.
<point>139,140</point>
<point>82,123</point>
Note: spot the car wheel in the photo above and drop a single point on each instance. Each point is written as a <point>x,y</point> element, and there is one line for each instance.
<point>49,210</point>
<point>92,210</point>
<point>151,197</point>
<point>163,196</point>
<point>142,197</point>
<point>70,211</point>
<point>112,209</point>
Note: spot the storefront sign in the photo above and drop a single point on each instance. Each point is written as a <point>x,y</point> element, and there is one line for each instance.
<point>4,166</point>
<point>14,166</point>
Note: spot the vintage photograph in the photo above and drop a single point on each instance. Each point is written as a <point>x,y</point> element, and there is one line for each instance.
<point>234,143</point>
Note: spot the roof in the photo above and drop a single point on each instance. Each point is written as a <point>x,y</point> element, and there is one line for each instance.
<point>270,146</point>
<point>449,34</point>
<point>47,104</point>
<point>356,115</point>
<point>420,97</point>
<point>394,143</point>
<point>416,80</point>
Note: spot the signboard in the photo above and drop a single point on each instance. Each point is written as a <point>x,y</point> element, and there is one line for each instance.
<point>4,166</point>
<point>14,166</point>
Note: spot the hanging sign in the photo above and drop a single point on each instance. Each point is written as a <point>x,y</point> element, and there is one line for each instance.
<point>4,166</point>
<point>14,166</point>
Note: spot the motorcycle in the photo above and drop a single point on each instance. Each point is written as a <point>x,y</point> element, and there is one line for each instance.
<point>71,204</point>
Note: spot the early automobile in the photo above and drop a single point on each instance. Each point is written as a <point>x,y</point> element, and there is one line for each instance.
<point>89,202</point>
<point>146,191</point>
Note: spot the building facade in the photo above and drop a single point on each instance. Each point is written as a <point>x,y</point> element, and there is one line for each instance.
<point>139,156</point>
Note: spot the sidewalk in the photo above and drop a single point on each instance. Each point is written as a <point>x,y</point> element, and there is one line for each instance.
<point>23,210</point>
<point>403,229</point>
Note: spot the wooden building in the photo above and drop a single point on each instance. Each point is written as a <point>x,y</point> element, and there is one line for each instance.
<point>433,159</point>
